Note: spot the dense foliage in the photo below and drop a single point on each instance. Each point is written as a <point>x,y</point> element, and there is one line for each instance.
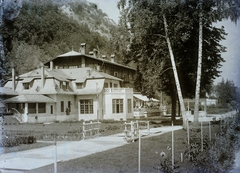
<point>149,49</point>
<point>217,155</point>
<point>227,94</point>
<point>45,29</point>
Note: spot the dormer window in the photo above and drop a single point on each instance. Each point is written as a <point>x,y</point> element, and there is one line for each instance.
<point>27,83</point>
<point>116,74</point>
<point>26,86</point>
<point>61,85</point>
<point>79,85</point>
<point>64,84</point>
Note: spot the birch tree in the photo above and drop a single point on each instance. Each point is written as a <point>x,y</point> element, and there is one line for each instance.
<point>151,51</point>
<point>222,9</point>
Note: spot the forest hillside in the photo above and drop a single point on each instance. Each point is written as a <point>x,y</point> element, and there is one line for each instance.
<point>45,29</point>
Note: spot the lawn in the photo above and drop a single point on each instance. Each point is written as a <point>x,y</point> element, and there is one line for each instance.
<point>125,158</point>
<point>121,159</point>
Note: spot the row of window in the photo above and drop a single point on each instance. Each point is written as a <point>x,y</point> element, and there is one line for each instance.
<point>62,85</point>
<point>68,108</point>
<point>33,107</point>
<point>86,106</point>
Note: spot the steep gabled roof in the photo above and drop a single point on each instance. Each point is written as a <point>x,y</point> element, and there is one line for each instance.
<point>81,74</point>
<point>71,53</point>
<point>57,74</point>
<point>7,91</point>
<point>107,76</point>
<point>75,54</point>
<point>31,98</point>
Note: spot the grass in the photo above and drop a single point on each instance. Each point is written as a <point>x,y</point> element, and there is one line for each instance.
<point>125,158</point>
<point>120,159</point>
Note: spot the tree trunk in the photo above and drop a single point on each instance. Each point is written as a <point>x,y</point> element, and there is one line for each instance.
<point>199,68</point>
<point>175,73</point>
<point>174,104</point>
<point>179,108</point>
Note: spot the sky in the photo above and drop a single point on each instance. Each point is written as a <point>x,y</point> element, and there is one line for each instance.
<point>230,69</point>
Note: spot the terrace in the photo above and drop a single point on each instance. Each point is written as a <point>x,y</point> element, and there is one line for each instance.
<point>118,90</point>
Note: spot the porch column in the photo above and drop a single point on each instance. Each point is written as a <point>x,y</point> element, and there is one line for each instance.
<point>13,78</point>
<point>37,108</point>
<point>205,106</point>
<point>25,115</point>
<point>78,110</point>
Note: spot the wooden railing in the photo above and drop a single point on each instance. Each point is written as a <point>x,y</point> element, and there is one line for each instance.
<point>118,90</point>
<point>91,129</point>
<point>131,129</point>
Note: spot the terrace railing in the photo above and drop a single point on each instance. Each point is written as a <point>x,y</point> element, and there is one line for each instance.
<point>118,90</point>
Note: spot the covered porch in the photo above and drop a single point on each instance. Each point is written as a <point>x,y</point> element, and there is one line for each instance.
<point>27,108</point>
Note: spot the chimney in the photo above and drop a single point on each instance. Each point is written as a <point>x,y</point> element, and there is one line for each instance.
<point>91,53</point>
<point>51,65</point>
<point>98,68</point>
<point>42,75</point>
<point>112,58</point>
<point>95,53</point>
<point>83,62</point>
<point>13,78</point>
<point>82,48</point>
<point>89,72</point>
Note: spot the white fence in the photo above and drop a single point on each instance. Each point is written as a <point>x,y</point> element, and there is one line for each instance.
<point>131,129</point>
<point>91,129</point>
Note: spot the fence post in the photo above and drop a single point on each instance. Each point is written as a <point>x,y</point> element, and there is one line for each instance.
<point>83,130</point>
<point>137,125</point>
<point>172,146</point>
<point>98,128</point>
<point>201,135</point>
<point>148,128</point>
<point>139,151</point>
<point>132,131</point>
<point>55,154</point>
<point>210,135</point>
<point>90,128</point>
<point>125,130</point>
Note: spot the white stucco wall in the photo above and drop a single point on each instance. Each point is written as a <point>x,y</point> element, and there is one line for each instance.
<point>120,93</point>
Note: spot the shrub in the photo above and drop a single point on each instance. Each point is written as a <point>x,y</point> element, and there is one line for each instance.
<point>17,140</point>
<point>217,156</point>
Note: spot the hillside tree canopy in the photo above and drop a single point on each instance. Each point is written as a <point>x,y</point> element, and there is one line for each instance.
<point>148,48</point>
<point>41,30</point>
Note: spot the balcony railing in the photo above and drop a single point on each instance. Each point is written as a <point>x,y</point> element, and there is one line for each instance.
<point>118,90</point>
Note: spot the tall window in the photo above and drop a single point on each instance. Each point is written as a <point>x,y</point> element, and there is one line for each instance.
<point>69,106</point>
<point>32,108</point>
<point>129,101</point>
<point>51,109</point>
<point>117,105</point>
<point>62,106</point>
<point>41,107</point>
<point>86,106</point>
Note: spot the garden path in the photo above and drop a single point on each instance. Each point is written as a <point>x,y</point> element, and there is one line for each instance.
<point>66,150</point>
